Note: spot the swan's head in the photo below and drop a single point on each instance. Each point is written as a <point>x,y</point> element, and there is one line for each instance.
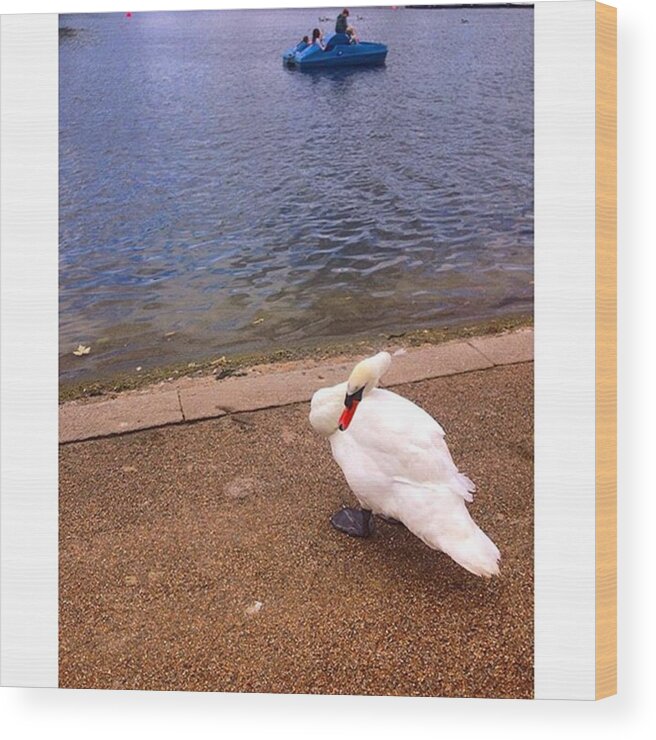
<point>363,379</point>
<point>333,408</point>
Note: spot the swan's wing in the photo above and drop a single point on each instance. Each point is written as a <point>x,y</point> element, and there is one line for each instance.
<point>408,442</point>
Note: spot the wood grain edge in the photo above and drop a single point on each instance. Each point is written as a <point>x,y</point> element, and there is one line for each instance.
<point>606,351</point>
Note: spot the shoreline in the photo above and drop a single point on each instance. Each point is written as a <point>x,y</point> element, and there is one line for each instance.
<point>279,384</point>
<point>238,364</point>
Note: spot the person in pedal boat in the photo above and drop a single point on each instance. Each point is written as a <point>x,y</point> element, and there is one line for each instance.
<point>316,38</point>
<point>342,21</point>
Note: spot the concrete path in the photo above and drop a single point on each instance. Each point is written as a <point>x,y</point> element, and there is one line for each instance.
<point>205,398</point>
<point>200,556</point>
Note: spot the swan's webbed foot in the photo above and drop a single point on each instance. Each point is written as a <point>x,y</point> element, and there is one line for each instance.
<point>354,522</point>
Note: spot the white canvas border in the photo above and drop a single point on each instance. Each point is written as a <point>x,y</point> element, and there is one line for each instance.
<point>565,350</point>
<point>29,349</point>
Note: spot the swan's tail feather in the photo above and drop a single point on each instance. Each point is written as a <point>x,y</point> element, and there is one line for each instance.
<point>476,553</point>
<point>468,485</point>
<point>443,522</point>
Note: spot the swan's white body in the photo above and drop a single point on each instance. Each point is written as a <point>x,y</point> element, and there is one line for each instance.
<point>396,462</point>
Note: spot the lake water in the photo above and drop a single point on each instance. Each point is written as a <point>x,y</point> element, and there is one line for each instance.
<point>207,190</point>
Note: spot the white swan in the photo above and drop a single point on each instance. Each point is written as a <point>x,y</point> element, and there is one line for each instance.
<point>396,461</point>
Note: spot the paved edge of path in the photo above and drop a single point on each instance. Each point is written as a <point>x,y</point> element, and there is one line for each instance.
<point>207,398</point>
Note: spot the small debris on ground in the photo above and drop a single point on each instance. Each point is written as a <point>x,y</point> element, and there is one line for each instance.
<point>240,488</point>
<point>241,420</point>
<point>254,608</point>
<point>81,350</point>
<point>226,372</point>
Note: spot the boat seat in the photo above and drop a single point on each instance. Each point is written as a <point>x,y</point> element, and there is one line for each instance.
<point>337,39</point>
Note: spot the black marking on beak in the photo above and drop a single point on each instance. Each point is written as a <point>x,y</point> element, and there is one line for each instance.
<point>357,396</point>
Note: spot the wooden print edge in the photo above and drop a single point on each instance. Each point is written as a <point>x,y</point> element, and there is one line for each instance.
<point>606,350</point>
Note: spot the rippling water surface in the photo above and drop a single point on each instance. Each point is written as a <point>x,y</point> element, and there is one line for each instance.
<point>208,191</point>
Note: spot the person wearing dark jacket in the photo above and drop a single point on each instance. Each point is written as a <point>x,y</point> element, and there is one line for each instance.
<point>342,21</point>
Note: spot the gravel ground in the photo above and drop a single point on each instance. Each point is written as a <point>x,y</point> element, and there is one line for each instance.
<point>200,557</point>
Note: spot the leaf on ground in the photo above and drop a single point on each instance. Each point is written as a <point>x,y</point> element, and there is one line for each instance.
<point>81,350</point>
<point>257,321</point>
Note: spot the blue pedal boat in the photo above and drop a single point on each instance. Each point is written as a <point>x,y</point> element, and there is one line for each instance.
<point>339,51</point>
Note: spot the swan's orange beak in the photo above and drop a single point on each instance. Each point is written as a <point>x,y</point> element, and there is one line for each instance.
<point>350,404</point>
<point>347,415</point>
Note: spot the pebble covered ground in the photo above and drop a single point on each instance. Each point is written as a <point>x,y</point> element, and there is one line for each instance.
<point>200,557</point>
